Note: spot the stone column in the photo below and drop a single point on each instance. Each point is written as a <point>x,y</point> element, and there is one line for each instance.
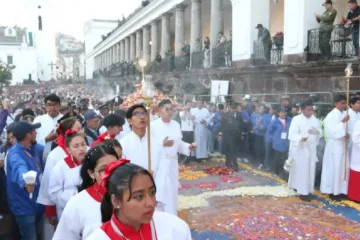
<point>154,40</point>
<point>217,20</point>
<point>145,42</point>
<point>179,29</point>
<point>297,23</point>
<point>195,23</point>
<point>138,44</point>
<point>122,50</point>
<point>244,33</point>
<point>132,47</point>
<point>165,35</point>
<point>127,49</point>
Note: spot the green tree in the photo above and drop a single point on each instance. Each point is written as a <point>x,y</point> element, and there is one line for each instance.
<point>5,73</point>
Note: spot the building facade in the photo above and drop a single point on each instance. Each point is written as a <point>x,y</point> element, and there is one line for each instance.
<point>171,34</point>
<point>17,49</point>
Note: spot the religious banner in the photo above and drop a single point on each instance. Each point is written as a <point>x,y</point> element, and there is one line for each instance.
<point>219,89</point>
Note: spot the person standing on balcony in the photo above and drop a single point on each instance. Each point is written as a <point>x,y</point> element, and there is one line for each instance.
<point>265,39</point>
<point>353,18</point>
<point>326,21</point>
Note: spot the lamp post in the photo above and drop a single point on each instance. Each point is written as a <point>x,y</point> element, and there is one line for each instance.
<point>147,91</point>
<point>348,73</point>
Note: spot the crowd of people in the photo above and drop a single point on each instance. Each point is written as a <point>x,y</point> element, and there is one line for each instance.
<point>75,168</point>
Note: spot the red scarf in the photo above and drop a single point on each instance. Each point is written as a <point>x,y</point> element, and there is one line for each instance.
<point>61,142</point>
<point>102,138</point>
<point>71,161</point>
<point>116,230</point>
<point>96,192</point>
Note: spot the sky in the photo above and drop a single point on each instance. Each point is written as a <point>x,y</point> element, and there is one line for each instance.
<point>68,16</point>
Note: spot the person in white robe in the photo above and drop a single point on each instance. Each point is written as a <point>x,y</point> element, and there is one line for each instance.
<point>135,148</point>
<point>168,133</point>
<point>201,117</point>
<point>145,223</point>
<point>354,115</point>
<point>335,172</point>
<point>47,132</point>
<point>65,176</point>
<point>83,209</point>
<point>304,135</point>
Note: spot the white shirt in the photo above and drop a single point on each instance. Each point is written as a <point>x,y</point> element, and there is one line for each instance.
<point>55,156</point>
<point>63,184</point>
<point>80,218</point>
<point>187,125</point>
<point>168,227</point>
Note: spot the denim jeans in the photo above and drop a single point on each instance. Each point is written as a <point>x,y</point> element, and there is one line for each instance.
<point>268,151</point>
<point>355,38</point>
<point>210,140</point>
<point>29,226</point>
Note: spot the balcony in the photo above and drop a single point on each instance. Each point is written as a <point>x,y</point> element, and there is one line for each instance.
<point>340,44</point>
<point>197,60</point>
<point>221,56</point>
<point>276,54</point>
<point>182,63</point>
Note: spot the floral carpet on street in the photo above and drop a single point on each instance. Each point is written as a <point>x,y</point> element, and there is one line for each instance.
<point>220,204</point>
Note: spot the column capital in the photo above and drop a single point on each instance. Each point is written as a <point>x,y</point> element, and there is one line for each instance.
<point>180,7</point>
<point>166,16</point>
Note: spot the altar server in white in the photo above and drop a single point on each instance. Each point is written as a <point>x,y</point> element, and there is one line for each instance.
<point>354,117</point>
<point>304,135</point>
<point>82,215</point>
<point>135,147</point>
<point>65,176</point>
<point>47,132</point>
<point>55,156</point>
<point>128,207</point>
<point>333,179</point>
<point>168,133</point>
<point>201,117</point>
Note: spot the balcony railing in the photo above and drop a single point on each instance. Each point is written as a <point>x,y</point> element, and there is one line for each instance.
<point>276,54</point>
<point>167,64</point>
<point>330,43</point>
<point>222,55</point>
<point>197,60</point>
<point>182,63</point>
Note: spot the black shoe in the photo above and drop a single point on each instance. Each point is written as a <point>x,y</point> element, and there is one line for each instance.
<point>305,198</point>
<point>336,198</point>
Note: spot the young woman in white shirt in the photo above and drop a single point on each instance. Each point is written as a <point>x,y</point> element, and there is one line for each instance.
<point>55,156</point>
<point>128,207</point>
<point>83,209</point>
<point>65,176</point>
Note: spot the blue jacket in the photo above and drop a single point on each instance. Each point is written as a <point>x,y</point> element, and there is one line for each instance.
<point>18,163</point>
<point>257,122</point>
<point>275,130</point>
<point>266,123</point>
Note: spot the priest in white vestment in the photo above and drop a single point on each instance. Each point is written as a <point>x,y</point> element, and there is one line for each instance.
<point>201,117</point>
<point>354,117</point>
<point>304,135</point>
<point>333,180</point>
<point>135,149</point>
<point>47,132</point>
<point>167,132</point>
<point>354,176</point>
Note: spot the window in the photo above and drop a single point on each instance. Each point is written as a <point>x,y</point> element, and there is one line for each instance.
<point>10,60</point>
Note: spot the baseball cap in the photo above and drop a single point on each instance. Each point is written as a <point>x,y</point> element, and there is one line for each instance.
<point>89,115</point>
<point>20,129</point>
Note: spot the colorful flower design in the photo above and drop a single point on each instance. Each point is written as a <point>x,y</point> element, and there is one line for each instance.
<point>191,175</point>
<point>230,179</point>
<point>207,185</point>
<point>218,171</point>
<point>184,186</point>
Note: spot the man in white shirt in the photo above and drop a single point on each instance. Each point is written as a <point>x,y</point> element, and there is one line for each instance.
<point>334,169</point>
<point>201,118</point>
<point>187,124</point>
<point>46,133</point>
<point>167,132</point>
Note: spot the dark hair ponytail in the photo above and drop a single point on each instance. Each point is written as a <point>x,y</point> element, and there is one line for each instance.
<point>90,161</point>
<point>106,208</point>
<point>120,180</point>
